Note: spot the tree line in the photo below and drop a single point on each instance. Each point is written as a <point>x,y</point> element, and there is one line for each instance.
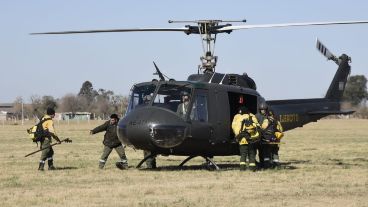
<point>356,95</point>
<point>101,103</point>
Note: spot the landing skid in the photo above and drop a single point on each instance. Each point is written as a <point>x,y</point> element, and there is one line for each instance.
<point>204,157</point>
<point>209,160</point>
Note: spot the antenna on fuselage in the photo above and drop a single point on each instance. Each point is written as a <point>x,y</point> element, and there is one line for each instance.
<point>158,72</point>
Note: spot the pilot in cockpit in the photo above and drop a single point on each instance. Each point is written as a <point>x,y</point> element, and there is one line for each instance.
<point>184,106</point>
<point>147,99</point>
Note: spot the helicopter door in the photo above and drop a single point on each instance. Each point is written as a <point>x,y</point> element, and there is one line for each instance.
<point>220,120</point>
<point>201,129</point>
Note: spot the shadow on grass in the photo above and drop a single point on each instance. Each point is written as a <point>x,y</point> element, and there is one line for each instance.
<point>297,162</point>
<point>177,168</point>
<point>223,167</point>
<point>346,163</point>
<point>66,168</point>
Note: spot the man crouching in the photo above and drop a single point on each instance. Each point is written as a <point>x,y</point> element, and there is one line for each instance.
<point>111,142</point>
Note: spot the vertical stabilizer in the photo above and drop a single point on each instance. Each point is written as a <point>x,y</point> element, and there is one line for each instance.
<point>337,86</point>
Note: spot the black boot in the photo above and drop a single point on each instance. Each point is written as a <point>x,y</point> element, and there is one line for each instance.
<point>267,165</point>
<point>243,167</point>
<point>122,165</point>
<point>51,164</point>
<point>41,166</point>
<point>252,167</point>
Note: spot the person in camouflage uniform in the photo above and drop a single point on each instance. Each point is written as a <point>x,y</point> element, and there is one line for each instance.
<point>150,162</point>
<point>111,142</point>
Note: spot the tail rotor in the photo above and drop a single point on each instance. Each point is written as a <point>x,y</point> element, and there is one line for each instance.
<point>325,52</point>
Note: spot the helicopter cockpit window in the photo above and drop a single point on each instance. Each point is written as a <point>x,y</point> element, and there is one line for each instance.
<point>199,109</point>
<point>169,96</point>
<point>140,95</point>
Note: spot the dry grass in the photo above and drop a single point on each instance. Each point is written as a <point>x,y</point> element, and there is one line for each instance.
<point>325,164</point>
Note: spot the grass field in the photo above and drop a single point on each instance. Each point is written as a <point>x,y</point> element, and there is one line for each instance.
<point>324,164</point>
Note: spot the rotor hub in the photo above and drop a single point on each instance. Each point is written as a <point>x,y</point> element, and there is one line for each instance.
<point>208,30</point>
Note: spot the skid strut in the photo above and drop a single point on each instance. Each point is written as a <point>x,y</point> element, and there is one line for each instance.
<point>204,157</point>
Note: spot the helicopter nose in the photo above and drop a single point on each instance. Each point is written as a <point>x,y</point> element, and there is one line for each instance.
<point>150,127</point>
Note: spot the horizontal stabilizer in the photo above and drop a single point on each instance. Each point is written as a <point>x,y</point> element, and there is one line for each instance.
<point>344,112</point>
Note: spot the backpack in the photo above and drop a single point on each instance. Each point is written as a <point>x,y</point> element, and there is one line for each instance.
<point>272,127</point>
<point>249,129</point>
<point>248,124</point>
<point>272,131</point>
<point>37,133</point>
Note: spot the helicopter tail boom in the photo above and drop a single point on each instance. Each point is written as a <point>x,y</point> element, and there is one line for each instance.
<point>298,112</point>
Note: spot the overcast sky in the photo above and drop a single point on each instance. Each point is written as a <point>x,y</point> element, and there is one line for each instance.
<point>283,61</point>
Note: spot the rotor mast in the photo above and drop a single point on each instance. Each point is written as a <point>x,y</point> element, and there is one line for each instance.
<point>208,30</point>
<point>208,60</point>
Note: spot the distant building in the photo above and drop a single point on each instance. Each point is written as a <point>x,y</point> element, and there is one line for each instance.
<point>7,111</point>
<point>73,116</point>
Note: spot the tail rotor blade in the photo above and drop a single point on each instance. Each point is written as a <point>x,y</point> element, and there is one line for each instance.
<point>325,52</point>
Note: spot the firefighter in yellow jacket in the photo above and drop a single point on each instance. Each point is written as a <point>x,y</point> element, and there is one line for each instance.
<point>273,127</point>
<point>48,152</point>
<point>245,127</point>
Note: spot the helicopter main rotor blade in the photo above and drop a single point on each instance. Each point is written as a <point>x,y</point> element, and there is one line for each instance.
<point>237,27</point>
<point>182,29</point>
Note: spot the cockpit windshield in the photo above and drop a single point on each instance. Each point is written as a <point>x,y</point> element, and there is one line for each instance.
<point>172,96</point>
<point>141,95</point>
<point>175,97</point>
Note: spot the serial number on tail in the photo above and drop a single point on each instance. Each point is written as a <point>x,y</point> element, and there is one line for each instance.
<point>289,118</point>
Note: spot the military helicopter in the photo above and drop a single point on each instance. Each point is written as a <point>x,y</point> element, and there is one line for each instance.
<point>152,123</point>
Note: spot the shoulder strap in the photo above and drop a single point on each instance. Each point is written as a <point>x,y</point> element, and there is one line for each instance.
<point>242,125</point>
<point>272,125</point>
<point>250,117</point>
